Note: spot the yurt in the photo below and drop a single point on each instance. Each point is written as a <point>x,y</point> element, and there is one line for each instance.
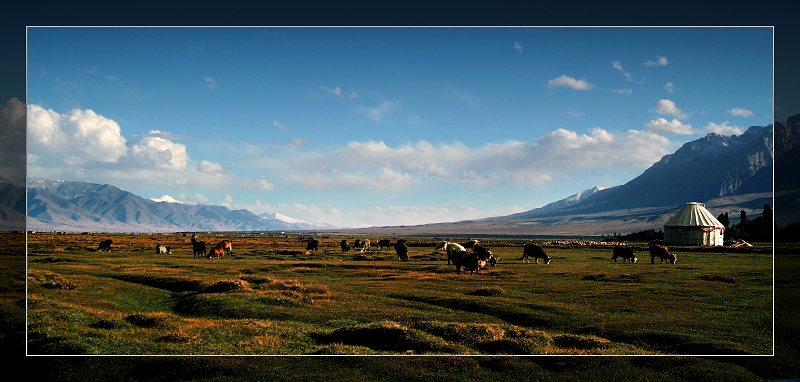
<point>694,225</point>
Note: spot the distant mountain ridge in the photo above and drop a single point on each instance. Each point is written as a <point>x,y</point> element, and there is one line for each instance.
<point>83,206</point>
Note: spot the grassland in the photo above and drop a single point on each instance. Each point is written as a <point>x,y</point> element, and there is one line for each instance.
<point>273,297</point>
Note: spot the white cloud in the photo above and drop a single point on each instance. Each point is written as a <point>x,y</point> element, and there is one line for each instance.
<point>625,91</point>
<point>209,82</point>
<point>209,168</point>
<point>279,125</point>
<point>353,95</point>
<point>263,184</point>
<point>569,82</point>
<point>575,113</point>
<point>739,112</point>
<point>337,91</point>
<point>377,113</point>
<point>77,137</point>
<point>518,47</point>
<point>669,87</point>
<point>660,61</point>
<point>664,127</point>
<point>724,128</point>
<point>152,151</point>
<point>667,107</point>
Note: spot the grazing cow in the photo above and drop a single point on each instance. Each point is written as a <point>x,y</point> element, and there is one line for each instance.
<point>481,249</point>
<point>451,249</point>
<point>361,245</point>
<point>402,250</point>
<point>198,247</point>
<point>471,244</point>
<point>663,253</point>
<point>105,245</point>
<point>312,245</point>
<point>532,250</point>
<point>470,261</point>
<point>442,245</point>
<point>625,253</point>
<point>162,249</point>
<point>218,252</point>
<point>384,243</point>
<point>345,246</point>
<point>227,245</point>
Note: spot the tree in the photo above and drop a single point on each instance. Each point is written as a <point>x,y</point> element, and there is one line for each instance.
<point>743,214</point>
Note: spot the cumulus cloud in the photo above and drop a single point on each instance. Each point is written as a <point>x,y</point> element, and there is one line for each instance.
<point>377,113</point>
<point>152,151</point>
<point>739,112</point>
<point>660,61</point>
<point>74,138</point>
<point>665,127</point>
<point>209,168</point>
<point>667,107</point>
<point>669,87</point>
<point>518,47</point>
<point>376,165</point>
<point>569,82</point>
<point>724,128</point>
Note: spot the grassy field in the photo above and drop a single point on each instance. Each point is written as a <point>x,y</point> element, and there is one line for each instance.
<point>272,297</point>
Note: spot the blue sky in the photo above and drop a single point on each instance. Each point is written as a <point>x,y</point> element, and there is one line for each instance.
<point>382,126</point>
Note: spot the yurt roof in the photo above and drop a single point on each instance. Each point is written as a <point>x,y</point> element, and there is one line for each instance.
<point>693,214</point>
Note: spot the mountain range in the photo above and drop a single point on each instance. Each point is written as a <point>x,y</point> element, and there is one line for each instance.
<point>727,173</point>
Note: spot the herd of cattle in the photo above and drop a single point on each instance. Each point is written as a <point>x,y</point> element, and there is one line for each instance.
<point>471,256</point>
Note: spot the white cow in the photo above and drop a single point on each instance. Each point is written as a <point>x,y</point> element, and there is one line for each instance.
<point>452,248</point>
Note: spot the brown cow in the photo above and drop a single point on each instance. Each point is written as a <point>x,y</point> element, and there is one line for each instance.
<point>663,253</point>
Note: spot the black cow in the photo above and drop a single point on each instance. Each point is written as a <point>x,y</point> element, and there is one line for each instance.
<point>105,245</point>
<point>481,249</point>
<point>402,250</point>
<point>345,246</point>
<point>532,250</point>
<point>625,253</point>
<point>312,245</point>
<point>470,261</point>
<point>663,253</point>
<point>384,243</point>
<point>470,244</point>
<point>198,247</point>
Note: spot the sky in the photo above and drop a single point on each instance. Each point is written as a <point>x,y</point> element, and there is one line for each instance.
<point>360,127</point>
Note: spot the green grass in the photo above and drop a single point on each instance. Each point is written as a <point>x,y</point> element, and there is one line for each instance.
<point>273,297</point>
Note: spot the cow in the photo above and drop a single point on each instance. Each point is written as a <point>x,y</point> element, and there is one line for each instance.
<point>218,251</point>
<point>451,249</point>
<point>312,245</point>
<point>442,245</point>
<point>105,245</point>
<point>471,244</point>
<point>198,247</point>
<point>470,261</point>
<point>345,246</point>
<point>663,253</point>
<point>361,245</point>
<point>624,252</point>
<point>227,245</point>
<point>481,249</point>
<point>384,243</point>
<point>532,250</point>
<point>402,250</point>
<point>162,249</point>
